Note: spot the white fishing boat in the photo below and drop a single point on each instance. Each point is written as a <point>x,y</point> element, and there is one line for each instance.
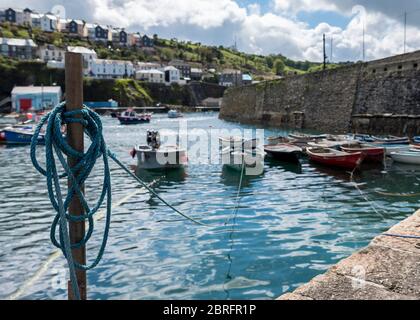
<point>154,156</point>
<point>326,143</point>
<point>408,157</point>
<point>172,114</point>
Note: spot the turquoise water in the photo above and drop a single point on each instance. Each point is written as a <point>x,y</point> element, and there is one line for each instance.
<point>292,224</point>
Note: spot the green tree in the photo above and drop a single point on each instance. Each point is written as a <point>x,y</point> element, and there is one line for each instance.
<point>279,67</point>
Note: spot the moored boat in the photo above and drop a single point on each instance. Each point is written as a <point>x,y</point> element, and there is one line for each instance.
<point>237,143</point>
<point>154,156</point>
<point>371,154</point>
<point>307,137</point>
<point>284,152</point>
<point>335,158</point>
<point>390,140</point>
<point>325,143</point>
<point>131,117</point>
<point>407,157</point>
<point>249,159</point>
<point>277,140</point>
<point>389,148</point>
<point>19,136</point>
<point>172,114</point>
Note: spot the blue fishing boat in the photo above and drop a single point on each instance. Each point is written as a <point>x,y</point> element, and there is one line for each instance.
<point>19,136</point>
<point>130,117</point>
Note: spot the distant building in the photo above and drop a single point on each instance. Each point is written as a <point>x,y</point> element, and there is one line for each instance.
<point>147,66</point>
<point>153,76</point>
<point>99,33</point>
<point>50,22</point>
<point>24,49</point>
<point>35,98</point>
<point>120,37</point>
<point>246,79</point>
<point>2,18</point>
<point>147,41</point>
<point>196,74</point>
<point>172,75</point>
<point>230,77</point>
<point>36,20</point>
<point>112,69</point>
<point>17,16</point>
<point>73,27</point>
<point>183,67</point>
<point>89,55</point>
<point>50,52</point>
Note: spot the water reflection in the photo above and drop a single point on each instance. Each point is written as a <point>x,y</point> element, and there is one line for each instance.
<point>286,166</point>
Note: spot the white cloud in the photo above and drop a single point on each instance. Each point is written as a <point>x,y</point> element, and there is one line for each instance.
<point>279,31</point>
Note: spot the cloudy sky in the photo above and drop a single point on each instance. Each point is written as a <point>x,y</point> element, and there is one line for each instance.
<point>290,27</point>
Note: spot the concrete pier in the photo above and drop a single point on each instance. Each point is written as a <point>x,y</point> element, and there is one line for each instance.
<point>387,269</point>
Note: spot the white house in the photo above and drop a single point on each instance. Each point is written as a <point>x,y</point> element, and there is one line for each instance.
<point>153,76</point>
<point>50,52</point>
<point>36,20</point>
<point>112,69</point>
<point>147,66</point>
<point>89,55</point>
<point>172,75</point>
<point>50,23</point>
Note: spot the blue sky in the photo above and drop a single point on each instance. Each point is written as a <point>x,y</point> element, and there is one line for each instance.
<point>293,28</point>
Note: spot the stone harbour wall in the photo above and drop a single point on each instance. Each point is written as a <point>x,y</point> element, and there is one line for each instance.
<point>364,98</point>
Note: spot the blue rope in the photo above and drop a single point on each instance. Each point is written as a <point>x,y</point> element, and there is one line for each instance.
<point>56,144</point>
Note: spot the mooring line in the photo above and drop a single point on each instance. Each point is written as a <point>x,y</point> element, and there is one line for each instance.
<point>57,253</point>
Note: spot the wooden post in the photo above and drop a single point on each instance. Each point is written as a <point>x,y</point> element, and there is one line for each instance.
<point>74,101</point>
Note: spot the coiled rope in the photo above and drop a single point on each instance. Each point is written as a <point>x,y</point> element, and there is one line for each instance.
<point>56,145</point>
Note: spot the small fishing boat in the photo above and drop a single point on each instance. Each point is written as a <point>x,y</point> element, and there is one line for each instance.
<point>248,159</point>
<point>362,137</point>
<point>407,157</point>
<point>371,154</point>
<point>284,152</point>
<point>335,158</point>
<point>172,114</point>
<point>307,137</point>
<point>391,140</point>
<point>131,117</point>
<point>389,148</point>
<point>19,136</point>
<point>237,143</point>
<point>326,143</point>
<point>154,156</point>
<point>416,139</point>
<point>277,140</point>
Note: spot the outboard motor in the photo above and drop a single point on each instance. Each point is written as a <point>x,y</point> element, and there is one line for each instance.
<point>153,139</point>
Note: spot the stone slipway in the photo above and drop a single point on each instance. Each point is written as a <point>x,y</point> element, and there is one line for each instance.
<point>387,269</point>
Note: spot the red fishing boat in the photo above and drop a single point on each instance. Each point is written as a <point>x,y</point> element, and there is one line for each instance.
<point>335,158</point>
<point>371,154</point>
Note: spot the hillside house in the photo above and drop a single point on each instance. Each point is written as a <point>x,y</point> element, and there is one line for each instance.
<point>112,69</point>
<point>152,76</point>
<point>17,16</point>
<point>172,75</point>
<point>230,78</point>
<point>120,37</point>
<point>50,22</point>
<point>73,27</point>
<point>89,55</point>
<point>50,52</point>
<point>24,49</point>
<point>183,67</point>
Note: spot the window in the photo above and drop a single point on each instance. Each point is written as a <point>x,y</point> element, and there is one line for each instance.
<point>415,66</point>
<point>399,67</point>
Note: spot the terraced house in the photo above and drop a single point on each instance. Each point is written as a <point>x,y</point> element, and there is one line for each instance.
<point>24,49</point>
<point>112,69</point>
<point>120,37</point>
<point>73,27</point>
<point>99,33</point>
<point>17,16</point>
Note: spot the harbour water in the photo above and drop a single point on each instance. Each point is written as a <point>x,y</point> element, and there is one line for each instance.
<point>292,224</point>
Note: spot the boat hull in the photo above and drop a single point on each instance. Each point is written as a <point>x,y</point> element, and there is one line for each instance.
<point>406,157</point>
<point>370,154</point>
<point>17,137</point>
<point>128,121</point>
<point>341,160</point>
<point>286,153</point>
<point>164,158</point>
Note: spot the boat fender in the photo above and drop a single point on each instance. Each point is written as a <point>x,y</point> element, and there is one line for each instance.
<point>133,153</point>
